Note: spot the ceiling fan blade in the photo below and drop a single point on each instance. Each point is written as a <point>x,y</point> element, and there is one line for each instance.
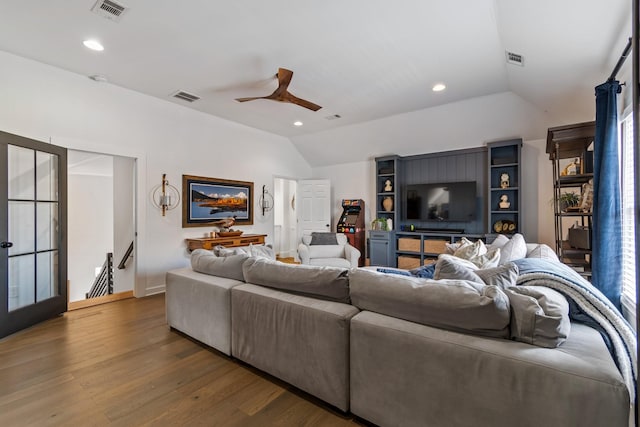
<point>284,78</point>
<point>302,102</point>
<point>249,99</point>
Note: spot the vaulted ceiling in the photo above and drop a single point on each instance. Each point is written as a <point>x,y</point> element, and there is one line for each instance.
<point>359,59</point>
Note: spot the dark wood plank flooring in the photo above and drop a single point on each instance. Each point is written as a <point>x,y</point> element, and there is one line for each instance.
<point>120,364</point>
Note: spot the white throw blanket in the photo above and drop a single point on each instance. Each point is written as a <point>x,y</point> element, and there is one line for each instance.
<point>554,275</point>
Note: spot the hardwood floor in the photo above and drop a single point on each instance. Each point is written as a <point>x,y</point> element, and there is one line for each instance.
<point>120,364</point>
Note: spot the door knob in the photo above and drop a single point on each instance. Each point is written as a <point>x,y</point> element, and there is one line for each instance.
<point>5,245</point>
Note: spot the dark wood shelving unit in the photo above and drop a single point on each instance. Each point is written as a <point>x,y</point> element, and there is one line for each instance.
<point>572,142</point>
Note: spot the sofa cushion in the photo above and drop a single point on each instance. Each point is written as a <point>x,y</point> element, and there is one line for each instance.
<point>204,261</point>
<point>539,315</point>
<point>329,283</point>
<point>457,305</point>
<point>220,250</point>
<point>262,251</point>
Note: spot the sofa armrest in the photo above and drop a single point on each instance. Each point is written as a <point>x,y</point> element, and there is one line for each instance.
<point>352,254</point>
<point>303,253</point>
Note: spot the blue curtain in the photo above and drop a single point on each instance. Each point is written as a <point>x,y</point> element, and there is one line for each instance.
<point>606,261</point>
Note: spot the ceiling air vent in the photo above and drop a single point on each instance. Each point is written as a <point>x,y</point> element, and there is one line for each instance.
<point>109,9</point>
<point>333,117</point>
<point>515,59</point>
<point>186,96</point>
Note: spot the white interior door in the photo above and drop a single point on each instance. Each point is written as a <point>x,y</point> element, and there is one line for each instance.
<point>314,206</point>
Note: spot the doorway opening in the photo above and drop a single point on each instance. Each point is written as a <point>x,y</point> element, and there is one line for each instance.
<point>101,228</point>
<point>285,225</point>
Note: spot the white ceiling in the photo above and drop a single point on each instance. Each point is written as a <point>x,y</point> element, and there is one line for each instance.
<point>361,59</point>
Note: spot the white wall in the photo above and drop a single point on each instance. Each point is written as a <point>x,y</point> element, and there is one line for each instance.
<point>123,221</point>
<point>458,125</point>
<point>350,181</point>
<point>49,104</point>
<point>90,236</point>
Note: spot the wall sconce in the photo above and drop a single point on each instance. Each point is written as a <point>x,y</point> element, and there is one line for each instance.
<point>165,196</point>
<point>266,200</point>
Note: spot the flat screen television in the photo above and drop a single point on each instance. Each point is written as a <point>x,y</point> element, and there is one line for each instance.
<point>440,202</point>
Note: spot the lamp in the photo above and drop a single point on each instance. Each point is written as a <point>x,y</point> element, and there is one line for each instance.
<point>164,195</point>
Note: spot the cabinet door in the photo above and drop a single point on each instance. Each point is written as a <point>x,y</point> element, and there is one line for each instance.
<point>379,253</point>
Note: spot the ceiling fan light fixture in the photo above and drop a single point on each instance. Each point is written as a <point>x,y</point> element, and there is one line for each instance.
<point>93,45</point>
<point>438,87</point>
<point>298,123</point>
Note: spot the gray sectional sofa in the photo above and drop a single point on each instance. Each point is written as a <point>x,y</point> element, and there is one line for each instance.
<point>342,336</point>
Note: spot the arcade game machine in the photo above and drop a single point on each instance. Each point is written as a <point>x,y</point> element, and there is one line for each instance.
<point>351,223</point>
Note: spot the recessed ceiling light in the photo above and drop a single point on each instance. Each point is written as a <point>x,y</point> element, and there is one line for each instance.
<point>93,45</point>
<point>438,87</point>
<point>298,123</point>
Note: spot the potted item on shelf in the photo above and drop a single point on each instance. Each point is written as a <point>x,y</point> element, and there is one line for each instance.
<point>379,224</point>
<point>569,201</point>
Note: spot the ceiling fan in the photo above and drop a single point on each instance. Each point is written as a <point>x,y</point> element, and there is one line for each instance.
<point>281,94</point>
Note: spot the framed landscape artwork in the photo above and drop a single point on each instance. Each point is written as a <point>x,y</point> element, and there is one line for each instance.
<point>207,200</point>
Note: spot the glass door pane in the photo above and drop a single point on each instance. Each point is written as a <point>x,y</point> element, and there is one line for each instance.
<point>20,173</point>
<point>21,281</point>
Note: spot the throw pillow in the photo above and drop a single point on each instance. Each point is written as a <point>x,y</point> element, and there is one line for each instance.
<point>499,242</point>
<point>450,248</point>
<point>503,276</point>
<point>514,249</point>
<point>544,252</point>
<point>318,238</point>
<point>468,250</point>
<point>539,315</point>
<point>452,267</point>
<point>488,260</point>
<point>203,261</point>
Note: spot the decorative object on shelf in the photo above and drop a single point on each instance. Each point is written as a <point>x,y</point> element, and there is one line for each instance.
<point>266,200</point>
<point>207,200</point>
<point>165,196</point>
<point>225,224</point>
<point>504,180</point>
<point>504,202</point>
<point>387,204</point>
<point>233,233</point>
<point>586,203</point>
<point>388,186</point>
<point>389,224</point>
<point>504,226</point>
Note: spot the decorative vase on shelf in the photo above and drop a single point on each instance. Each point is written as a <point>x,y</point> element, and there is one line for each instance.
<point>387,204</point>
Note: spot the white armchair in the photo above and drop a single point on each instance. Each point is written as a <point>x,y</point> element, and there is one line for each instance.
<point>314,250</point>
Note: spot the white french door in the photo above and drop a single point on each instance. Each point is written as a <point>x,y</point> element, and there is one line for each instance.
<point>33,252</point>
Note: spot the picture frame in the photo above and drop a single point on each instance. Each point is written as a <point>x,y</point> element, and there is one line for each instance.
<point>208,200</point>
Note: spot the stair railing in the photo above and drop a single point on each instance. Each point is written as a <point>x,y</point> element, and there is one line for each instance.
<point>103,284</point>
